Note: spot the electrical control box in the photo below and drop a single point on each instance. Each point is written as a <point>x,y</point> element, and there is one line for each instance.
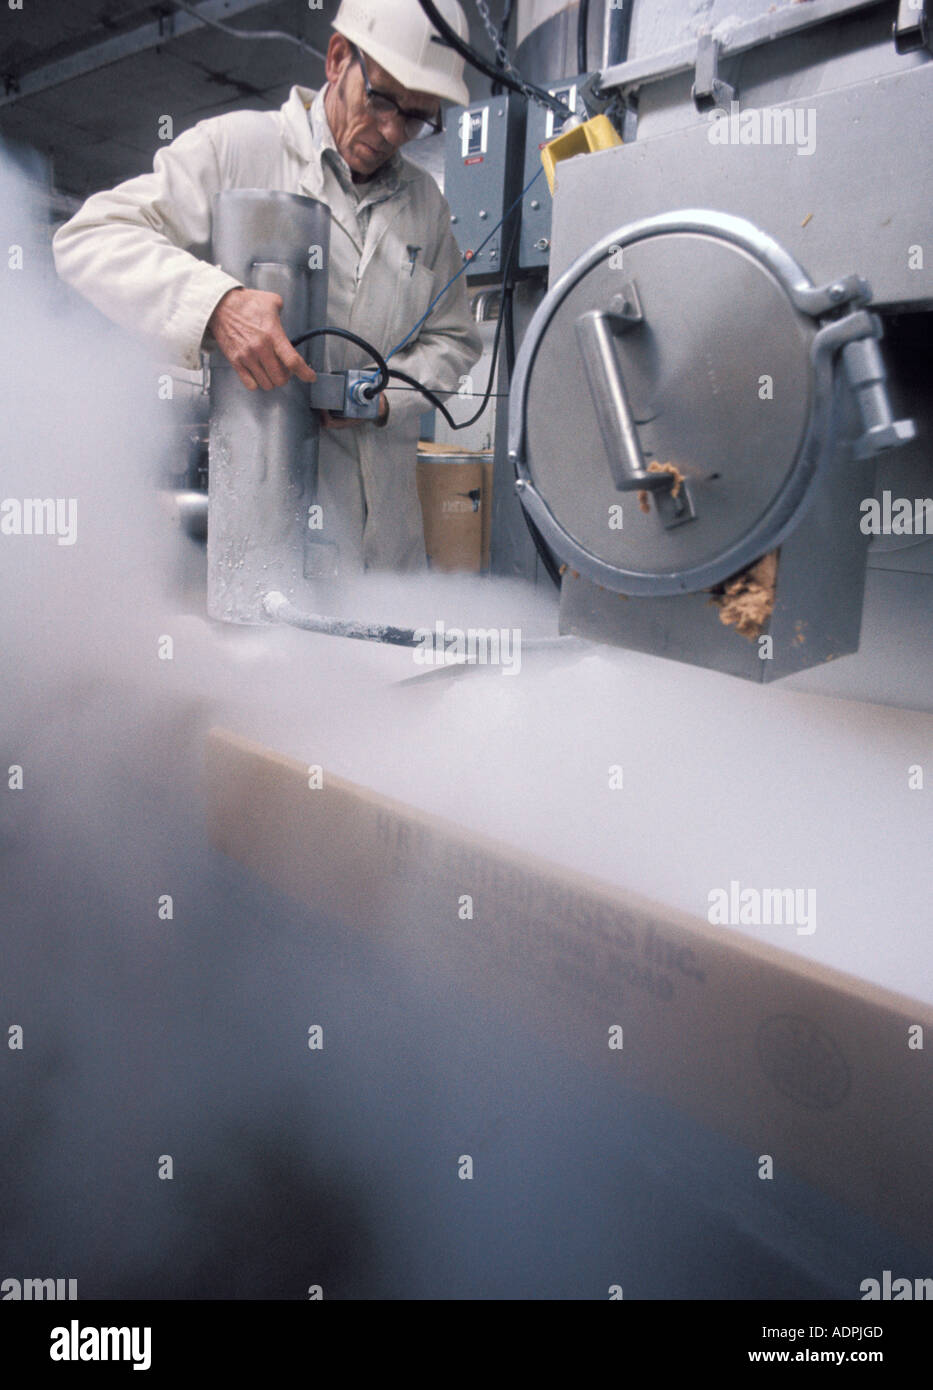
<point>482,178</point>
<point>541,127</point>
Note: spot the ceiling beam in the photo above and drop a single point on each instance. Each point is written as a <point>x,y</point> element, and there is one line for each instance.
<point>17,86</point>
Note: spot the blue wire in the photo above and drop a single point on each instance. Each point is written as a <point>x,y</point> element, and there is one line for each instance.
<point>463,269</point>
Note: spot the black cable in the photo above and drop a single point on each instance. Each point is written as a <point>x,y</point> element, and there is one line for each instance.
<point>385,372</point>
<point>377,357</point>
<point>508,314</point>
<point>462,395</point>
<point>428,394</point>
<point>487,396</point>
<point>454,41</point>
<point>438,404</point>
<point>583,19</point>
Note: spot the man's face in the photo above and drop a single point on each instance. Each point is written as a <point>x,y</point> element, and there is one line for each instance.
<point>366,141</point>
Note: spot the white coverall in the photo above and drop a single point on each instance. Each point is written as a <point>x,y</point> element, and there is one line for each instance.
<point>138,253</point>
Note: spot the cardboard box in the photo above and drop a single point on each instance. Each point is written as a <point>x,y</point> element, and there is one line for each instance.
<point>455,490</point>
<point>814,1067</point>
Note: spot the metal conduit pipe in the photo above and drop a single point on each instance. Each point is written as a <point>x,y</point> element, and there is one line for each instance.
<point>277,606</point>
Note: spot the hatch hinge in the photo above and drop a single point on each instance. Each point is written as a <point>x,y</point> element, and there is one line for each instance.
<point>913,28</point>
<point>709,90</point>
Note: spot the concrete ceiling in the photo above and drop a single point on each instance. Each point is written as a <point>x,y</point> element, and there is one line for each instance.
<point>102,126</point>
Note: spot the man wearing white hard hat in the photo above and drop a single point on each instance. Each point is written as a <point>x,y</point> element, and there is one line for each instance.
<point>139,252</point>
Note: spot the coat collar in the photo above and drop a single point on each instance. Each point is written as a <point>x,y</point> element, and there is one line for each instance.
<point>311,179</point>
<point>296,124</point>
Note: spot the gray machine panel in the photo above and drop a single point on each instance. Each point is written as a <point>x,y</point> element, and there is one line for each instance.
<point>542,126</point>
<point>816,619</point>
<point>482,166</point>
<point>800,199</point>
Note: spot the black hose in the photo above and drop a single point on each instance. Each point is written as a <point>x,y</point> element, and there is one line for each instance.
<point>278,606</point>
<point>438,404</point>
<point>454,41</point>
<point>385,373</point>
<point>377,357</point>
<point>583,19</point>
<point>507,312</point>
<point>426,391</point>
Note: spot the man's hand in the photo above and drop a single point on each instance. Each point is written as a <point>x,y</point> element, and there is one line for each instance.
<point>247,329</point>
<point>333,422</point>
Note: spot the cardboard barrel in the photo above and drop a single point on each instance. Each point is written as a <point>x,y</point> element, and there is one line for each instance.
<point>455,488</point>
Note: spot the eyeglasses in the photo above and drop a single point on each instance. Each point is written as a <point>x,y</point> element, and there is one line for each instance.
<point>381,105</point>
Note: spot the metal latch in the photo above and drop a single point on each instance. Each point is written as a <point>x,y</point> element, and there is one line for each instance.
<point>596,333</point>
<point>709,91</point>
<point>865,373</point>
<point>912,27</point>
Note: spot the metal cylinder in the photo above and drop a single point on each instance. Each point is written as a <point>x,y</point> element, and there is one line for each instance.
<point>263,444</point>
<point>864,368</point>
<point>532,13</point>
<point>546,38</point>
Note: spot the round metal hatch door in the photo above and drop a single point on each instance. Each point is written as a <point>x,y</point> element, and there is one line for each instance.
<point>669,416</point>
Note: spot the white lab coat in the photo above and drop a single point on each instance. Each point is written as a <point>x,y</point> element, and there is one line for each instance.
<point>138,252</point>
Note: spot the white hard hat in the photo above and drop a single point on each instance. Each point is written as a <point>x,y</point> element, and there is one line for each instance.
<point>398,35</point>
